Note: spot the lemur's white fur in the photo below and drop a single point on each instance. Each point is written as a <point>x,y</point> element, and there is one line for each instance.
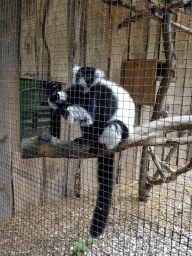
<point>126,107</point>
<point>76,69</point>
<point>78,113</point>
<point>111,136</point>
<point>99,74</point>
<point>125,113</point>
<point>63,95</point>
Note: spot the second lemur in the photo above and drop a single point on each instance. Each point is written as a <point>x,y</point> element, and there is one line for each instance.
<point>106,114</point>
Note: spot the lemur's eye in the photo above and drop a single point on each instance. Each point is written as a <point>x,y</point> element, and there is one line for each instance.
<point>88,78</point>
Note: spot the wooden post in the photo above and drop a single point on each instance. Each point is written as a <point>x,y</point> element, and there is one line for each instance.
<point>163,88</point>
<point>9,100</point>
<point>71,164</point>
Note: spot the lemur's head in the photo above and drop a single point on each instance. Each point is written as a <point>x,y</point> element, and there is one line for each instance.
<point>86,77</point>
<point>57,99</point>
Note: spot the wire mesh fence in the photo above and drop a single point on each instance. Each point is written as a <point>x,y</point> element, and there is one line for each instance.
<point>95,127</point>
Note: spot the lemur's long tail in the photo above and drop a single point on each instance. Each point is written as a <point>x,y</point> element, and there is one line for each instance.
<point>105,179</point>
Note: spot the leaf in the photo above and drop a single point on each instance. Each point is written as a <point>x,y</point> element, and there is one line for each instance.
<point>75,246</point>
<point>89,241</point>
<point>82,246</point>
<point>81,241</point>
<point>79,254</point>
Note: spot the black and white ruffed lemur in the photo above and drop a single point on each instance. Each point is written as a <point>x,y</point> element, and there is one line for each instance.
<point>106,114</point>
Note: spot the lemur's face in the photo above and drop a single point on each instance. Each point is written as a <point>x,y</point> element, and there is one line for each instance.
<point>57,99</point>
<point>85,77</point>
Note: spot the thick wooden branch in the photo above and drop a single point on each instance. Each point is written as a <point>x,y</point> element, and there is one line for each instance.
<point>149,134</point>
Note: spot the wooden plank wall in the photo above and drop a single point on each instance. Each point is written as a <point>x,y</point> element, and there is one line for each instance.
<point>9,102</point>
<point>47,52</point>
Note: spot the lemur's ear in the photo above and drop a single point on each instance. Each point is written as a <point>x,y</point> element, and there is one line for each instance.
<point>99,73</point>
<point>76,69</point>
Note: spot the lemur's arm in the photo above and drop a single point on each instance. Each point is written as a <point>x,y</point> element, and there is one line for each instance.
<point>71,104</point>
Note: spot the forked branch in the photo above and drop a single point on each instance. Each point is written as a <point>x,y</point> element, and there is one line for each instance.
<point>174,175</point>
<point>163,166</point>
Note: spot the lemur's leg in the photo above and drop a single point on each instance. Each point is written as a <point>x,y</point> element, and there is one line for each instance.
<point>114,132</point>
<point>90,134</point>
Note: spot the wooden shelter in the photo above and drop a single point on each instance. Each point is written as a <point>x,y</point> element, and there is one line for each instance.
<point>56,35</point>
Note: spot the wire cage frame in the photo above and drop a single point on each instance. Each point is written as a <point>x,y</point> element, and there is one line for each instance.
<point>56,189</point>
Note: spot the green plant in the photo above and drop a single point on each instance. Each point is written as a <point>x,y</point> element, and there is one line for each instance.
<point>81,247</point>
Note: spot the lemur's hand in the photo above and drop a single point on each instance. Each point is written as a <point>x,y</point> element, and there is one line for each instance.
<point>58,100</point>
<point>61,103</point>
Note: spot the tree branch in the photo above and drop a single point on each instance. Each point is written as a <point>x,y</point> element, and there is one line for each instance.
<point>148,134</point>
<point>156,161</point>
<point>175,4</point>
<point>131,7</point>
<point>151,10</point>
<point>146,12</point>
<point>169,56</point>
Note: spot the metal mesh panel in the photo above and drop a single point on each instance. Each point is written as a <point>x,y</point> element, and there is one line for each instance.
<point>52,189</point>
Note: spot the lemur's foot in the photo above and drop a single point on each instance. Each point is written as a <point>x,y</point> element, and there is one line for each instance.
<point>81,141</point>
<point>95,148</point>
<point>94,145</point>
